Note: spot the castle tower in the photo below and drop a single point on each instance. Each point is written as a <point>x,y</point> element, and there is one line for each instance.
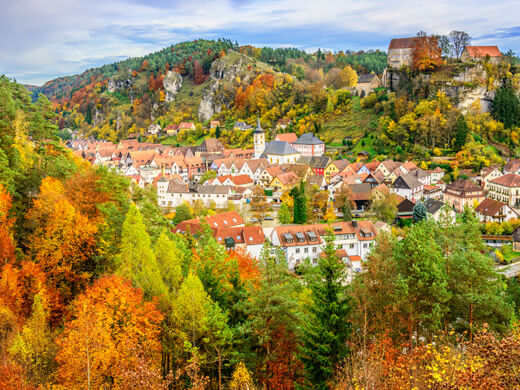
<point>259,139</point>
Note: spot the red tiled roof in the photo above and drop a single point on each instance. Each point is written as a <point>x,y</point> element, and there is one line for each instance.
<point>509,180</point>
<point>404,43</point>
<point>227,219</point>
<point>287,137</point>
<point>483,51</point>
<point>489,207</point>
<point>248,235</point>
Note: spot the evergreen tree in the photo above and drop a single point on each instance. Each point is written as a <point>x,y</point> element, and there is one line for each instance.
<point>327,329</point>
<point>461,133</point>
<point>271,311</point>
<point>182,213</point>
<point>284,214</point>
<point>506,106</point>
<point>419,212</point>
<point>347,212</point>
<point>300,203</point>
<point>88,114</point>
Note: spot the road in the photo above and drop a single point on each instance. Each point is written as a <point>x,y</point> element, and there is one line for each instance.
<point>510,270</point>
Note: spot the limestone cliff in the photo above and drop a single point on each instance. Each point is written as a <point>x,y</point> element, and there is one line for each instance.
<point>172,85</point>
<point>464,83</point>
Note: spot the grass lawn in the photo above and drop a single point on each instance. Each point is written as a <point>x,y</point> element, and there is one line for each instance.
<point>509,255</point>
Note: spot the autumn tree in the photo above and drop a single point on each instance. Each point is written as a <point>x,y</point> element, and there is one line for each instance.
<point>137,260</point>
<point>34,348</point>
<point>7,245</point>
<point>63,241</point>
<point>427,53</point>
<point>110,320</point>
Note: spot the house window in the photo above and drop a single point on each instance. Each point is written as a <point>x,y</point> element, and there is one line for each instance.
<point>297,250</point>
<point>306,250</point>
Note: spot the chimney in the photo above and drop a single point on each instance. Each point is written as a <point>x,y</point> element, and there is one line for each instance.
<point>354,224</point>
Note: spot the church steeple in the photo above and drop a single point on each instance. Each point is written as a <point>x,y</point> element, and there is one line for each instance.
<point>259,139</point>
<point>258,126</point>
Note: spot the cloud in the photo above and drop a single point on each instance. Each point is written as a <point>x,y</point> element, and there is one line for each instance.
<point>42,39</point>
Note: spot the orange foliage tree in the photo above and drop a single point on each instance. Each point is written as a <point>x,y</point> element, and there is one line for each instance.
<point>6,224</point>
<point>427,53</point>
<point>112,339</point>
<point>63,241</point>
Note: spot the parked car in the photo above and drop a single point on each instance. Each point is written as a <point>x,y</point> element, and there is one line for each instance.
<point>254,220</point>
<point>268,218</point>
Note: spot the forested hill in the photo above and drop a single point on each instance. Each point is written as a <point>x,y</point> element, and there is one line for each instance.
<point>202,80</point>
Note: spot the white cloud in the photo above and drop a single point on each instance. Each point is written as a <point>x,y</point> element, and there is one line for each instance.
<point>43,38</point>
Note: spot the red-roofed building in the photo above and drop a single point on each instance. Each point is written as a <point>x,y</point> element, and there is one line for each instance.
<point>490,210</point>
<point>479,53</point>
<point>250,238</point>
<point>506,189</point>
<point>215,222</point>
<point>287,137</point>
<point>401,50</point>
<point>300,242</point>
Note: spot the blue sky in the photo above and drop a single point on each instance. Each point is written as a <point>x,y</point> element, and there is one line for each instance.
<point>44,39</point>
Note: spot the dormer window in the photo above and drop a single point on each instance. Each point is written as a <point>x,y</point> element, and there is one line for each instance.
<point>288,238</point>
<point>300,237</point>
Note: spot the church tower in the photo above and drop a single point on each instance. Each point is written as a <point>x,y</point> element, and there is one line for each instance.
<point>259,139</point>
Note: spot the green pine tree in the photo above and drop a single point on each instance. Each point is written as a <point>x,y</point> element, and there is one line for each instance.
<point>506,106</point>
<point>461,133</point>
<point>419,212</point>
<point>327,329</point>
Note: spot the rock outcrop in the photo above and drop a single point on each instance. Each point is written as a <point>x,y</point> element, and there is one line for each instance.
<point>223,71</point>
<point>172,85</point>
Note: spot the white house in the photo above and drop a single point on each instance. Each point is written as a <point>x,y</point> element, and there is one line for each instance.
<point>490,210</point>
<point>408,187</point>
<point>248,238</point>
<point>300,242</point>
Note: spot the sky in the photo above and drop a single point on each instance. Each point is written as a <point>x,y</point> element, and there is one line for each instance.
<point>44,39</point>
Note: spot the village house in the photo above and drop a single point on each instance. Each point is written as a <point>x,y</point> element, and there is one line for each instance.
<point>171,194</point>
<point>512,166</point>
<point>489,173</point>
<point>318,164</point>
<point>284,181</point>
<point>408,186</point>
<point>334,168</point>
<point>209,145</point>
<point>171,130</point>
<point>241,126</point>
<point>387,167</point>
<point>432,192</point>
<point>401,51</point>
<point>214,124</point>
<point>283,123</point>
<point>434,208</point>
<point>506,189</point>
<point>366,84</point>
<point>215,222</point>
<point>309,145</point>
<point>268,174</point>
<point>490,210</point>
<point>300,242</point>
<point>436,174</point>
<point>237,181</point>
<point>187,126</point>
<point>463,193</point>
<point>248,238</point>
<point>481,53</point>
